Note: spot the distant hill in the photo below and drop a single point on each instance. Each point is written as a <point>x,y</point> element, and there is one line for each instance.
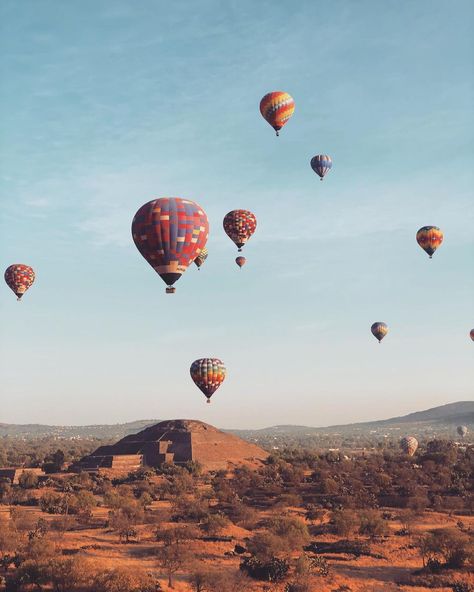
<point>434,421</point>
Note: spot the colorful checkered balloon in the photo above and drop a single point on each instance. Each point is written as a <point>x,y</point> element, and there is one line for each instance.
<point>239,226</point>
<point>201,257</point>
<point>208,375</point>
<point>19,278</point>
<point>170,233</point>
<point>409,444</point>
<point>276,108</point>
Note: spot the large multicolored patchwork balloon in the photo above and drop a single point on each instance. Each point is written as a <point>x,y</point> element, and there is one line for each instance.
<point>239,226</point>
<point>379,330</point>
<point>201,257</point>
<point>208,375</point>
<point>409,444</point>
<point>429,238</point>
<point>170,233</point>
<point>321,164</point>
<point>276,108</point>
<point>19,278</point>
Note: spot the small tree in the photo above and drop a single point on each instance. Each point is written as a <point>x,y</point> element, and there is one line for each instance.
<point>28,480</point>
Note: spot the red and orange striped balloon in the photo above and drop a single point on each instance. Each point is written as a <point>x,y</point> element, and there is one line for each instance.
<point>276,108</point>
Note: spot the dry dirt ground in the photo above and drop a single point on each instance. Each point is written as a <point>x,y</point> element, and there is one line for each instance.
<point>398,559</point>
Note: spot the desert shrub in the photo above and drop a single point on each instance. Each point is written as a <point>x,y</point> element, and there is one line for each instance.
<point>462,587</point>
<point>242,515</point>
<point>372,524</point>
<point>314,512</point>
<point>28,480</point>
<point>187,508</point>
<point>291,530</point>
<point>124,580</point>
<point>273,570</point>
<point>449,546</point>
<point>344,522</point>
<point>52,503</point>
<point>213,524</point>
<point>298,586</point>
<point>265,545</point>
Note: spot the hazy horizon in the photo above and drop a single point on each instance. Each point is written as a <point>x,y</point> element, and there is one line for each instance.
<point>109,105</point>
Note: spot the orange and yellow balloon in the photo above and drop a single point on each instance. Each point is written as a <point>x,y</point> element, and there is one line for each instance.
<point>276,108</point>
<point>429,238</point>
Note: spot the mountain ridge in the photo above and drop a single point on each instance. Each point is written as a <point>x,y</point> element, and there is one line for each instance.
<point>450,413</point>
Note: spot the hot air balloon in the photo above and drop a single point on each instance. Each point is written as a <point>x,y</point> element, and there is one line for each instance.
<point>19,278</point>
<point>239,226</point>
<point>170,233</point>
<point>208,375</point>
<point>276,108</point>
<point>462,430</point>
<point>241,261</point>
<point>201,258</point>
<point>321,164</point>
<point>409,444</point>
<point>429,238</point>
<point>471,333</point>
<point>379,330</point>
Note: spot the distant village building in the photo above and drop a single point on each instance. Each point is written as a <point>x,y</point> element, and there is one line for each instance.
<point>175,441</point>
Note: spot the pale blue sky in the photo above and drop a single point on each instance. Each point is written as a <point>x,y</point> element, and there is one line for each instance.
<point>108,104</point>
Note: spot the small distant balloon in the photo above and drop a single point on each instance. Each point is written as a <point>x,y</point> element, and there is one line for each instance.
<point>19,278</point>
<point>462,430</point>
<point>409,445</point>
<point>471,333</point>
<point>241,261</point>
<point>321,165</point>
<point>379,330</point>
<point>170,232</point>
<point>276,108</point>
<point>201,257</point>
<point>208,374</point>
<point>429,238</point>
<point>239,225</point>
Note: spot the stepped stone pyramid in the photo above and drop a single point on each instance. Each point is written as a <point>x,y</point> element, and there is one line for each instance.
<point>175,441</point>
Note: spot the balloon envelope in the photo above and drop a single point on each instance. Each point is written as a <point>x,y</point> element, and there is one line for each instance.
<point>239,226</point>
<point>379,330</point>
<point>170,233</point>
<point>201,257</point>
<point>276,108</point>
<point>429,238</point>
<point>321,164</point>
<point>471,333</point>
<point>241,261</point>
<point>208,374</point>
<point>19,278</point>
<point>409,444</point>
